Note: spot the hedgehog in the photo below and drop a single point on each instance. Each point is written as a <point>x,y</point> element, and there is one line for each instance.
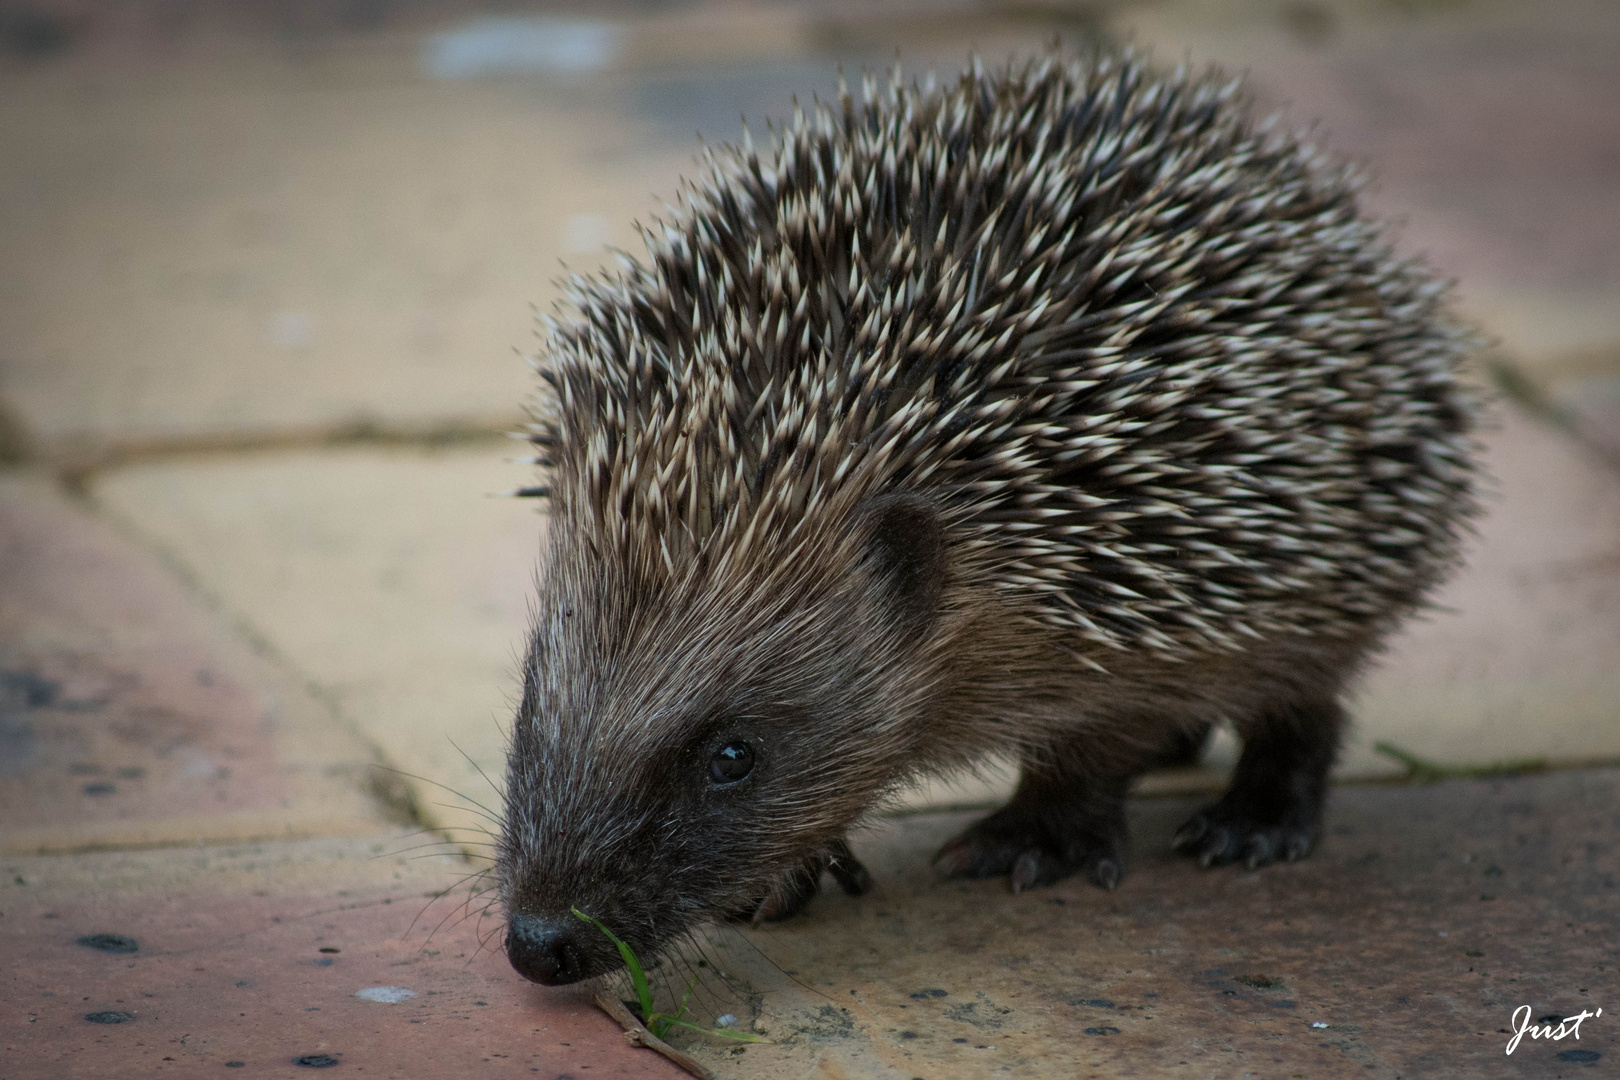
<point>1058,413</point>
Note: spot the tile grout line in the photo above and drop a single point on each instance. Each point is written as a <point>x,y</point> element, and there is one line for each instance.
<point>385,783</point>
<point>77,469</point>
<point>1218,785</point>
<point>1509,378</point>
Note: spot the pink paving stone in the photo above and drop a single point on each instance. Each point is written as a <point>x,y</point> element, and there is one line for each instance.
<point>230,967</point>
<point>130,714</point>
<point>1496,134</point>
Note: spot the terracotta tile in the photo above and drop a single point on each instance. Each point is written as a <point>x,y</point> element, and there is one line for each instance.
<point>129,714</point>
<point>255,955</point>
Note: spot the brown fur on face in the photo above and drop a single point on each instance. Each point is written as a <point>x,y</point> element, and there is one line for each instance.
<point>633,683</point>
<point>1061,412</point>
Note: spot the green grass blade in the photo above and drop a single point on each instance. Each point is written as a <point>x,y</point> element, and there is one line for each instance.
<point>1423,771</point>
<point>660,1023</point>
<point>638,977</point>
<point>681,1012</point>
<point>724,1033</point>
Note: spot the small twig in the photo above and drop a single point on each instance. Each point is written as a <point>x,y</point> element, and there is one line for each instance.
<point>1423,771</point>
<point>636,1034</point>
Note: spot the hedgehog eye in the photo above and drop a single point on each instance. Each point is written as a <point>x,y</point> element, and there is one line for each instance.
<point>731,763</point>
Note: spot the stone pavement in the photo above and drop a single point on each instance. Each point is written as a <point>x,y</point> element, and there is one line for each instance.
<point>1400,949</point>
<point>262,273</point>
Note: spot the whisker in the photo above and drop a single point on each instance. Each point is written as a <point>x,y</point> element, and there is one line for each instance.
<point>473,876</point>
<point>441,787</point>
<point>492,785</point>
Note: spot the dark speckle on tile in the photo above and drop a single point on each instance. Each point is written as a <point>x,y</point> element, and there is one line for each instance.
<point>112,1016</point>
<point>113,943</point>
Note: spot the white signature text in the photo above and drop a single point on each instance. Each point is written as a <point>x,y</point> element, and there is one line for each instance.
<point>1570,1025</point>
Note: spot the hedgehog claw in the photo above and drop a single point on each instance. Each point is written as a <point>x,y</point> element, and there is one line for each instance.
<point>1105,874</point>
<point>1033,869</point>
<point>956,859</point>
<point>847,870</point>
<point>1035,849</point>
<point>1190,833</point>
<point>1219,835</point>
<point>789,896</point>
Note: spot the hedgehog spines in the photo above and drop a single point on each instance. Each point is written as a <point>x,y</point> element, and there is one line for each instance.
<point>1163,381</point>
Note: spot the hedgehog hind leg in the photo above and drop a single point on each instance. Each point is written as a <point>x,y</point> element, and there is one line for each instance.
<point>1272,810</point>
<point>1185,747</point>
<point>1056,824</point>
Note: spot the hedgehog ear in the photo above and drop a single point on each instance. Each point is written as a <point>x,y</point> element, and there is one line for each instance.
<point>905,554</point>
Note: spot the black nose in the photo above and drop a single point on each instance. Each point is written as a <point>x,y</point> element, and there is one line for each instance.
<point>546,950</point>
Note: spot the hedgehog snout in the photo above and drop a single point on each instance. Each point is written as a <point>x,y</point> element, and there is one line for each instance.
<point>552,952</point>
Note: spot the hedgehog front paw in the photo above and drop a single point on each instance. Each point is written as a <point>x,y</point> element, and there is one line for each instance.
<point>789,896</point>
<point>1225,833</point>
<point>1033,851</point>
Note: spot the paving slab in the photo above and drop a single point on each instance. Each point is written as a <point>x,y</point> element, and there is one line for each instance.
<point>1402,948</point>
<point>268,960</point>
<point>266,235</point>
<point>392,579</point>
<point>1584,392</point>
<point>131,714</point>
<point>1519,660</point>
